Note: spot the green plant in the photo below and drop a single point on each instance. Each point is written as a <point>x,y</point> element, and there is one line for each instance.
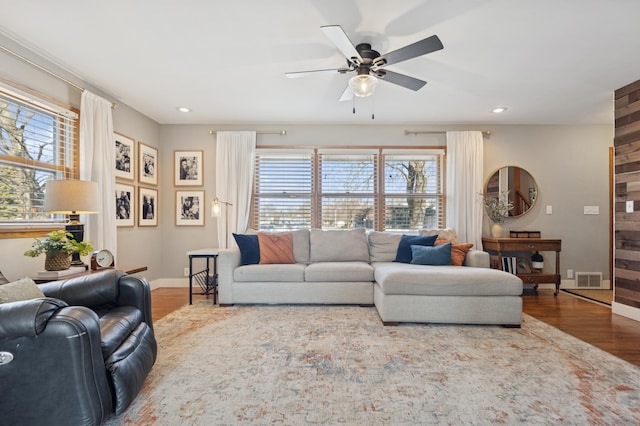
<point>58,241</point>
<point>497,208</point>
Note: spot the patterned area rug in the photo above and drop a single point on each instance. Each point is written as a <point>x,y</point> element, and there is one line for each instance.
<point>298,365</point>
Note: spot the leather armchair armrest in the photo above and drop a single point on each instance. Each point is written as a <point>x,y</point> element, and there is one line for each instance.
<point>27,318</point>
<point>133,291</point>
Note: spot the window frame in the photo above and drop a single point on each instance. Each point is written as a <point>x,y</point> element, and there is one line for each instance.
<point>379,195</point>
<point>37,100</point>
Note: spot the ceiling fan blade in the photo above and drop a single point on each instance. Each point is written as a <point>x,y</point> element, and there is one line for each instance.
<point>347,95</point>
<point>419,48</point>
<point>337,35</point>
<point>296,74</point>
<point>401,80</point>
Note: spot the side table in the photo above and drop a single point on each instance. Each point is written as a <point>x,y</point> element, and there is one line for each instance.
<point>207,278</point>
<point>126,269</point>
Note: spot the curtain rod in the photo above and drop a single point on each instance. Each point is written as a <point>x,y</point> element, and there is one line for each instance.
<point>485,133</point>
<point>51,73</point>
<point>265,132</point>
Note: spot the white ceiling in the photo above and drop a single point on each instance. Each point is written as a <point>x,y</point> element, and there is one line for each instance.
<point>548,61</point>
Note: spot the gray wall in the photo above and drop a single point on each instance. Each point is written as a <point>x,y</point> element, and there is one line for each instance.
<point>569,163</point>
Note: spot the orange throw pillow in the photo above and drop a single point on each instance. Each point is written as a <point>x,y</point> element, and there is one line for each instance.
<point>276,248</point>
<point>458,251</point>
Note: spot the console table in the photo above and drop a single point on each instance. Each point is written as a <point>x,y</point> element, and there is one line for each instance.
<point>206,279</point>
<point>126,269</point>
<point>502,246</point>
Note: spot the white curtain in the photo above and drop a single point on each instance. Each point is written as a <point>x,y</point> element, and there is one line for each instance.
<point>97,159</point>
<point>464,185</point>
<point>235,158</point>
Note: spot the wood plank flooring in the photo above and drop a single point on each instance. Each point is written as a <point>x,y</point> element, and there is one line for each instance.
<point>588,321</point>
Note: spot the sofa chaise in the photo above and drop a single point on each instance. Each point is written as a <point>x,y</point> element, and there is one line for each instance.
<point>356,267</point>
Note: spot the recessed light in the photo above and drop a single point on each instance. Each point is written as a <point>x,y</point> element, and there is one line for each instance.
<point>498,110</point>
<point>183,109</point>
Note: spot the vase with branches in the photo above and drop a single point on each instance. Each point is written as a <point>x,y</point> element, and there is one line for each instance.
<point>497,208</point>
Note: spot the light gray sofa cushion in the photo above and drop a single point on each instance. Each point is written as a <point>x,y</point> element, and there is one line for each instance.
<point>383,246</point>
<point>339,271</point>
<point>289,272</point>
<point>349,245</point>
<point>395,278</point>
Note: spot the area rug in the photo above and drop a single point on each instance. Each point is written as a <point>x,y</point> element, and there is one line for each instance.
<point>296,365</point>
<point>602,296</point>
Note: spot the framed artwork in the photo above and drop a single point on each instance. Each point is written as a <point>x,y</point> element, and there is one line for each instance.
<point>125,201</point>
<point>147,206</point>
<point>190,208</point>
<point>125,156</point>
<point>188,168</point>
<point>147,164</point>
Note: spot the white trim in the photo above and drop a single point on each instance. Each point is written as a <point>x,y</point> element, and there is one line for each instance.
<point>169,282</point>
<point>625,311</point>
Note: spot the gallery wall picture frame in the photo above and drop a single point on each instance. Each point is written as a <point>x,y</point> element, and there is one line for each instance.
<point>125,156</point>
<point>190,208</point>
<point>187,169</point>
<point>147,164</point>
<point>125,205</point>
<point>147,206</point>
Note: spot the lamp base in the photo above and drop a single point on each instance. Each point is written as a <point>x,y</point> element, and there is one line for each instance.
<point>77,230</point>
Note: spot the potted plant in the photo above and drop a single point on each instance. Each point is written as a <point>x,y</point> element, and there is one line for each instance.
<point>58,247</point>
<point>497,208</point>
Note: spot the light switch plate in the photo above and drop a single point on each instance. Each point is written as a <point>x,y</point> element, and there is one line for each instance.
<point>549,209</point>
<point>591,209</point>
<point>630,206</point>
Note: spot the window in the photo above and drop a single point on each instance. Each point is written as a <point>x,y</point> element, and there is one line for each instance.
<point>38,142</point>
<point>382,189</point>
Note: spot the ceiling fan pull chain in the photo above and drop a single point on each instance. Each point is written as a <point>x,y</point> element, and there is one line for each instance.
<point>354,104</point>
<point>373,109</point>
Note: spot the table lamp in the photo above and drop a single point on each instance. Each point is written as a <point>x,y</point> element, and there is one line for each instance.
<point>72,197</point>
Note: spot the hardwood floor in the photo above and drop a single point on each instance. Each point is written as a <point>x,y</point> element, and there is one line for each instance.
<point>588,321</point>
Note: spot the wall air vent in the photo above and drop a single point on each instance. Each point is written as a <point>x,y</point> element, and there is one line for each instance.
<point>589,280</point>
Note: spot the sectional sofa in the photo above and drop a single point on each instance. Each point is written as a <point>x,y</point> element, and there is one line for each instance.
<point>359,267</point>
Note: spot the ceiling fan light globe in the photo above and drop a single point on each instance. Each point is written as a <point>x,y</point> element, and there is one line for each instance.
<point>363,85</point>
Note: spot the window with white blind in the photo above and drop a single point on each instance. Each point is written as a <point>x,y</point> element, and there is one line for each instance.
<point>283,190</point>
<point>382,189</point>
<point>38,142</point>
<point>347,190</point>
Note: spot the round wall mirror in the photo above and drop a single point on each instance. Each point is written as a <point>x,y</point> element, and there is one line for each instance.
<point>522,187</point>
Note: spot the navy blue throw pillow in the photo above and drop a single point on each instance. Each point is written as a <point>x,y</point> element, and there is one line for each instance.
<point>437,255</point>
<point>403,254</point>
<point>249,248</point>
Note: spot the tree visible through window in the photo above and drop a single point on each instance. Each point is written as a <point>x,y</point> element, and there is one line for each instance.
<point>398,191</point>
<point>36,144</point>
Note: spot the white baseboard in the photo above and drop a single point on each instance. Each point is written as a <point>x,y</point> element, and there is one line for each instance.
<point>169,282</point>
<point>625,311</point>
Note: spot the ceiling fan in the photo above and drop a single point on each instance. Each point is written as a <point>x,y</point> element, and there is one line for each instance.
<point>368,63</point>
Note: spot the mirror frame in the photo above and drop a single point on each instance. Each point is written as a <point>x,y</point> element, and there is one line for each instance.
<point>527,200</point>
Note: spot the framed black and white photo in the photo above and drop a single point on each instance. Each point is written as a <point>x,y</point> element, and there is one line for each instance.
<point>125,209</point>
<point>188,168</point>
<point>147,207</point>
<point>147,164</point>
<point>125,157</point>
<point>190,208</point>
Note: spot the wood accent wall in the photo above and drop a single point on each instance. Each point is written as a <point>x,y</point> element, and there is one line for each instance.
<point>627,187</point>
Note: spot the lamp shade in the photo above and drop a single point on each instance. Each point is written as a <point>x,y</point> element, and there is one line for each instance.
<point>363,85</point>
<point>71,197</point>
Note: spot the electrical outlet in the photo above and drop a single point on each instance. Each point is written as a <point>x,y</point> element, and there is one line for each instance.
<point>629,206</point>
<point>186,272</point>
<point>570,273</point>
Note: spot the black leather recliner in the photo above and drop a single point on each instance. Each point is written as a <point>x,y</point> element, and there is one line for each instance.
<point>79,354</point>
